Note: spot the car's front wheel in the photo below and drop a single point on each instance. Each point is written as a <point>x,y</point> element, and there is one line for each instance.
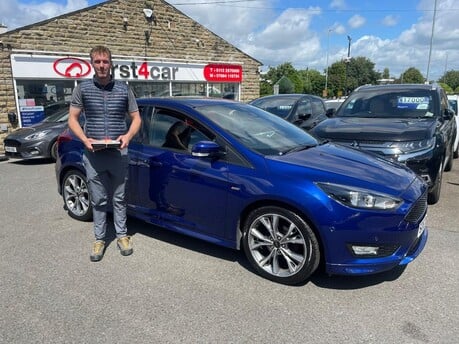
<point>280,245</point>
<point>76,196</point>
<point>434,192</point>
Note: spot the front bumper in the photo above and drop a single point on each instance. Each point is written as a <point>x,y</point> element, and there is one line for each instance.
<point>367,266</point>
<point>26,149</point>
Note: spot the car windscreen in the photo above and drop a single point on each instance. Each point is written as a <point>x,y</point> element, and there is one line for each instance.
<point>280,106</point>
<point>258,130</point>
<point>389,104</point>
<point>59,116</point>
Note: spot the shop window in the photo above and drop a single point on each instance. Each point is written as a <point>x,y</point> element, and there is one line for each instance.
<point>149,89</point>
<point>38,99</point>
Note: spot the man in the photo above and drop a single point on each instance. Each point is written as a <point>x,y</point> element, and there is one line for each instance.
<point>105,103</point>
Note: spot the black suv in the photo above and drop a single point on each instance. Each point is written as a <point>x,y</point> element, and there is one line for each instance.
<point>408,123</point>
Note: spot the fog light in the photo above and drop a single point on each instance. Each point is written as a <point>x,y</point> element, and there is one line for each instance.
<point>365,250</point>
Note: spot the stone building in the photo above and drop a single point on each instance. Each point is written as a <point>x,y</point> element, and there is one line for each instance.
<point>156,48</point>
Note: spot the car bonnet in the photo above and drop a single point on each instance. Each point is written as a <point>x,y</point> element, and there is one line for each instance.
<point>338,164</point>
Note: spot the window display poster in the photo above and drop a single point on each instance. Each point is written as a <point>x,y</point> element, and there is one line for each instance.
<point>30,114</point>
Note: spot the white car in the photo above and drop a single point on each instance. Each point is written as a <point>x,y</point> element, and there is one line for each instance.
<point>453,100</point>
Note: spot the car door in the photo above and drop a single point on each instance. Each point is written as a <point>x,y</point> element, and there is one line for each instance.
<point>174,188</point>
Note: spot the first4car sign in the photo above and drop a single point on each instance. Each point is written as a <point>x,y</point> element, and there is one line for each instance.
<point>52,67</point>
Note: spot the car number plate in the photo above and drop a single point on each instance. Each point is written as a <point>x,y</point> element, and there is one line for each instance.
<point>422,227</point>
<point>10,149</point>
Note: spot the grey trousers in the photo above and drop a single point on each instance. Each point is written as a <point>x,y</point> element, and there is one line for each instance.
<point>107,173</point>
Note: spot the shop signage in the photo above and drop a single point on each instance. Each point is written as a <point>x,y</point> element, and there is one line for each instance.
<point>58,67</point>
<point>72,67</point>
<point>31,115</point>
<point>223,73</point>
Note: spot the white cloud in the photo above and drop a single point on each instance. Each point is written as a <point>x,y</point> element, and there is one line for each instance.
<point>356,21</point>
<point>390,20</point>
<point>14,13</point>
<point>338,4</point>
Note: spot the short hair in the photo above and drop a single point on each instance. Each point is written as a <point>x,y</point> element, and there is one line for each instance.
<point>100,49</point>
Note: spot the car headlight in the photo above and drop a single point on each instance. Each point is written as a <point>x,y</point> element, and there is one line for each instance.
<point>38,135</point>
<point>359,198</point>
<point>413,146</point>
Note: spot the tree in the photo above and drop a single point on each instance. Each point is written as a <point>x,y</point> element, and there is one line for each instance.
<point>313,81</point>
<point>446,87</point>
<point>451,78</point>
<point>361,72</point>
<point>336,78</point>
<point>285,85</point>
<point>287,70</point>
<point>411,76</point>
<point>386,74</point>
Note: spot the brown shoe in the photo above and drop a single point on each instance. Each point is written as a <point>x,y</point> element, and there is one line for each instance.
<point>125,245</point>
<point>98,250</point>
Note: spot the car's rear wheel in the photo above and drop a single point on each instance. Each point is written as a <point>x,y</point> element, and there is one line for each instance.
<point>76,196</point>
<point>434,192</point>
<point>449,163</point>
<point>280,245</point>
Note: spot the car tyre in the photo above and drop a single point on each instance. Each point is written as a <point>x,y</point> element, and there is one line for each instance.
<point>75,193</point>
<point>434,192</point>
<point>449,164</point>
<point>280,245</point>
<point>53,151</point>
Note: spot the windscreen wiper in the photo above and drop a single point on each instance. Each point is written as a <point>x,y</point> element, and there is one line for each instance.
<point>298,148</point>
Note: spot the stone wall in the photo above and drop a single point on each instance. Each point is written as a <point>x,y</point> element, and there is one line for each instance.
<point>173,35</point>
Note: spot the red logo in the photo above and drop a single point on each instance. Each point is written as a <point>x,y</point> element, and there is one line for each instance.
<point>223,73</point>
<point>72,67</point>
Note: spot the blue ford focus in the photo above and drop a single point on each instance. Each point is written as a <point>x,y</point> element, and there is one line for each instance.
<point>237,176</point>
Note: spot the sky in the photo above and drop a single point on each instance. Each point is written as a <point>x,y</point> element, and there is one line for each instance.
<point>393,34</point>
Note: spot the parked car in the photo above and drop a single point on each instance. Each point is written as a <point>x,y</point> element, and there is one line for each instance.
<point>410,124</point>
<point>453,100</point>
<point>246,179</point>
<point>303,110</point>
<point>334,103</point>
<point>38,140</point>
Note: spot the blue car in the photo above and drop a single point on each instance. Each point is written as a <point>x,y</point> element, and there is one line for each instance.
<point>240,177</point>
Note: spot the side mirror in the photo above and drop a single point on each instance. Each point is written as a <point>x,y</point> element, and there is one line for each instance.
<point>330,112</point>
<point>207,149</point>
<point>304,116</point>
<point>449,114</point>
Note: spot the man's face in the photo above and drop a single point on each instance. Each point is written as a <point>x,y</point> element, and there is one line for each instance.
<point>102,65</point>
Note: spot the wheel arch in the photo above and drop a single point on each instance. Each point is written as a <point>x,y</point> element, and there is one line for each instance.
<point>276,203</point>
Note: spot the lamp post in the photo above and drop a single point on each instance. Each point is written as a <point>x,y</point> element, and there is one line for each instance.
<point>326,68</point>
<point>431,41</point>
<point>348,60</point>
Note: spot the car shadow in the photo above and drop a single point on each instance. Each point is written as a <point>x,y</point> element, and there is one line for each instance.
<point>136,226</point>
<point>31,162</point>
<point>323,280</point>
<point>319,278</point>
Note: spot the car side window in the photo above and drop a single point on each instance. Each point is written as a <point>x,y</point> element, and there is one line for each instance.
<point>175,131</point>
<point>304,108</point>
<point>318,107</point>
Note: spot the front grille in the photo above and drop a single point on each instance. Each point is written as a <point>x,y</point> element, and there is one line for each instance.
<point>418,210</point>
<point>11,143</point>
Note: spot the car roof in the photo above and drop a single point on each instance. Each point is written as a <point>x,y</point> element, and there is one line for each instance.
<point>186,101</point>
<point>288,95</point>
<point>396,87</point>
